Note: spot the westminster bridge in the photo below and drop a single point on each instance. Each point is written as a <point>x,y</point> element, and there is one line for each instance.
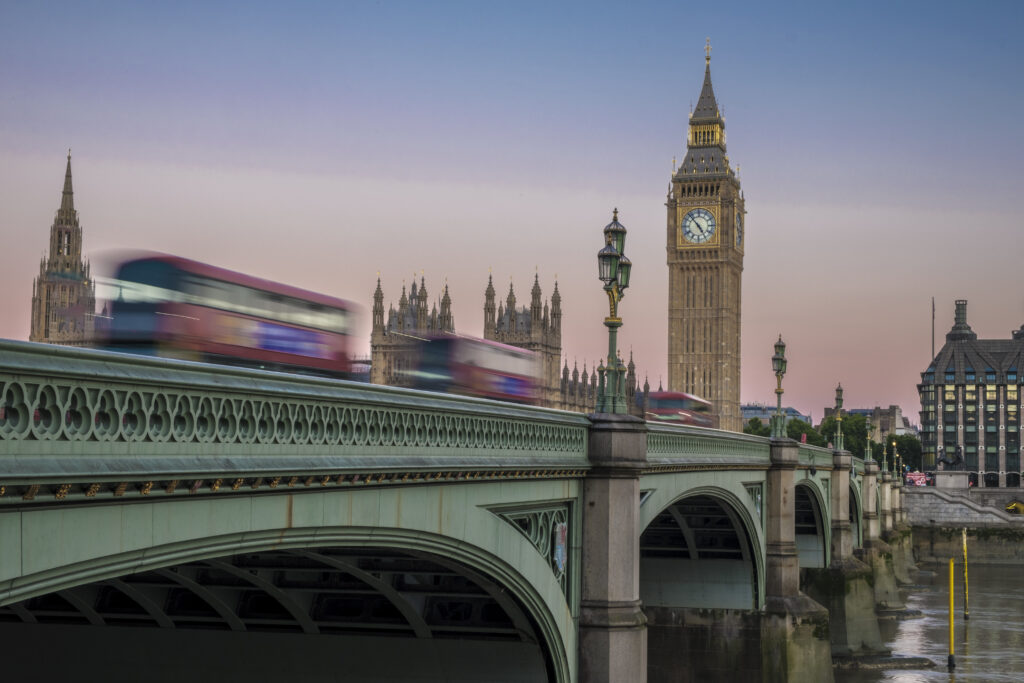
<point>167,519</point>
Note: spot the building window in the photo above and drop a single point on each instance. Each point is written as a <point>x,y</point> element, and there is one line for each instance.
<point>950,407</point>
<point>990,393</point>
<point>1011,393</point>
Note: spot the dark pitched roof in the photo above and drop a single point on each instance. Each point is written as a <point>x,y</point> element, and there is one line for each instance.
<point>707,106</point>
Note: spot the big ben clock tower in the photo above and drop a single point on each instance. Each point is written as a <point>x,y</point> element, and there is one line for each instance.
<point>706,223</point>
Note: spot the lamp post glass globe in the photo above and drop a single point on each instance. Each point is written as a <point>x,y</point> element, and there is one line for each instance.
<point>608,264</point>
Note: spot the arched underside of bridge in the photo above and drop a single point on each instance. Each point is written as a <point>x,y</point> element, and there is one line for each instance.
<point>812,526</point>
<point>370,613</point>
<point>441,582</point>
<point>700,552</point>
<point>856,520</point>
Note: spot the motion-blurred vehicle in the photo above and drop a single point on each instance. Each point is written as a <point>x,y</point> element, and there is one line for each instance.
<point>476,367</point>
<point>675,406</point>
<point>173,307</point>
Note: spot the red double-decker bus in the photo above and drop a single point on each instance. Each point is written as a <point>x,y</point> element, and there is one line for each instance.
<point>170,306</point>
<point>675,406</point>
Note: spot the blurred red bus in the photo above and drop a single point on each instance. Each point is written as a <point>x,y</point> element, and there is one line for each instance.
<point>169,306</point>
<point>674,406</point>
<point>476,367</point>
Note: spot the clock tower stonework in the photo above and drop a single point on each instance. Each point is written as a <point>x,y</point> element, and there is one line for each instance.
<point>705,239</point>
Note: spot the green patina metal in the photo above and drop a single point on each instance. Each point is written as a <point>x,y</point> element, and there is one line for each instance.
<point>668,442</point>
<point>73,419</point>
<point>112,464</point>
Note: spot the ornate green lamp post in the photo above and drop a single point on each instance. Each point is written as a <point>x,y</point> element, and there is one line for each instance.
<point>613,270</point>
<point>839,417</point>
<point>868,455</point>
<point>779,368</point>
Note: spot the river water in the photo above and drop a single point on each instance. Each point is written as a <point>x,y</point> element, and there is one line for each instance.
<point>989,646</point>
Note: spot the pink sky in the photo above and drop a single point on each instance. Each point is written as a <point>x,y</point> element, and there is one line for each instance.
<point>454,150</point>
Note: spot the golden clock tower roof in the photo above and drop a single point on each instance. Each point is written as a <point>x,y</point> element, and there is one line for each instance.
<point>705,139</point>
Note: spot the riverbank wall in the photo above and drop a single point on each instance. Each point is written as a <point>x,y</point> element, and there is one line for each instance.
<point>939,516</point>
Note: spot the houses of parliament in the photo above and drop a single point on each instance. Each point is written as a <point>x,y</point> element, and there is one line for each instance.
<point>705,238</point>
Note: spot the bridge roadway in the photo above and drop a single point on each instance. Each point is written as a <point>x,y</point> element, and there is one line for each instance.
<point>272,525</point>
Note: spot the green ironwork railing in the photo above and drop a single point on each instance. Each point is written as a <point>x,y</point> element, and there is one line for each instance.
<point>672,443</point>
<point>65,412</point>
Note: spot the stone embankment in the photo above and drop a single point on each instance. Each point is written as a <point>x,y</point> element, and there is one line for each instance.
<point>939,516</point>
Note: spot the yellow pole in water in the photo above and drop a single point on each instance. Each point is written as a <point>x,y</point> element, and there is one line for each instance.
<point>951,661</point>
<point>967,612</point>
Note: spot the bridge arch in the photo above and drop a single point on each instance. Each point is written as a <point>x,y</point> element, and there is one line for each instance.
<point>478,545</point>
<point>812,520</point>
<point>856,515</point>
<point>702,548</point>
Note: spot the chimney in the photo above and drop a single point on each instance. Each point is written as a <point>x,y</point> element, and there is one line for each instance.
<point>961,330</point>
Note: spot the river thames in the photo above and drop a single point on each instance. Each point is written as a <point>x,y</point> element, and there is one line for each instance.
<point>989,646</point>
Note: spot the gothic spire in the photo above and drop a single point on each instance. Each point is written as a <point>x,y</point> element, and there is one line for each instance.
<point>66,214</point>
<point>707,106</point>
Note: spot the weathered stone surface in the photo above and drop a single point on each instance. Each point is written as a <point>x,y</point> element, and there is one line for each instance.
<point>928,506</point>
<point>989,544</point>
<point>846,589</point>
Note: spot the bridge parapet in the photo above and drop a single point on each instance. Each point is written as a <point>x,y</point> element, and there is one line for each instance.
<point>77,422</point>
<point>675,445</point>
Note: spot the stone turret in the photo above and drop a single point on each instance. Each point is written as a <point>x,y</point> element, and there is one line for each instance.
<point>394,343</point>
<point>536,329</point>
<point>63,295</point>
<point>489,312</point>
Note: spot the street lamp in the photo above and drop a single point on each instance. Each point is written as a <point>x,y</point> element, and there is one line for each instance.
<point>613,269</point>
<point>779,368</point>
<point>868,455</point>
<point>839,417</point>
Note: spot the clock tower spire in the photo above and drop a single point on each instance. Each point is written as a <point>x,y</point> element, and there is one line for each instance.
<point>704,244</point>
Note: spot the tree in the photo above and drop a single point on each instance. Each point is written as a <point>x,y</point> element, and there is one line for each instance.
<point>795,429</point>
<point>757,428</point>
<point>855,433</point>
<point>909,448</point>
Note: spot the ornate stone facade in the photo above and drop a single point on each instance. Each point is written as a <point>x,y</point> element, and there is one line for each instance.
<point>537,328</point>
<point>705,241</point>
<point>394,344</point>
<point>579,392</point>
<point>64,294</point>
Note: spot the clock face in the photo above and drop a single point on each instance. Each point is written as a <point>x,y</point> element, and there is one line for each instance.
<point>739,228</point>
<point>698,226</point>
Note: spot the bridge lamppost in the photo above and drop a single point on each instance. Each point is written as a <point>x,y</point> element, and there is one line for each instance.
<point>613,270</point>
<point>839,417</point>
<point>868,454</point>
<point>779,368</point>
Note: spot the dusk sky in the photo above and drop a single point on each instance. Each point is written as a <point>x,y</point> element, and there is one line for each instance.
<point>880,147</point>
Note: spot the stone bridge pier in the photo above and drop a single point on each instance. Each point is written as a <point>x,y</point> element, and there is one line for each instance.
<point>786,632</point>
